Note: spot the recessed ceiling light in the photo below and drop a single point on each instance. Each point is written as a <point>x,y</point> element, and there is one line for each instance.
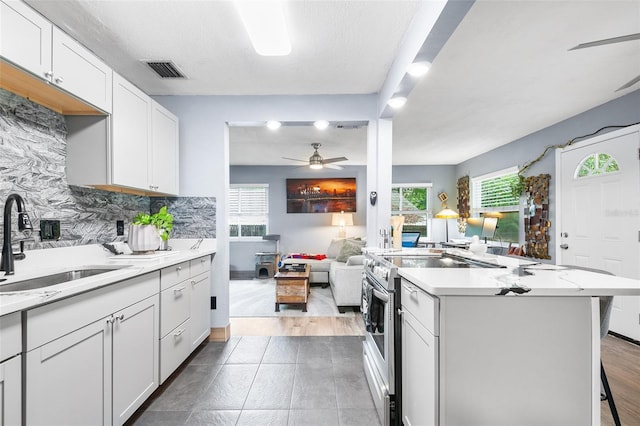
<point>397,102</point>
<point>273,125</point>
<point>418,69</point>
<point>321,124</point>
<point>265,24</point>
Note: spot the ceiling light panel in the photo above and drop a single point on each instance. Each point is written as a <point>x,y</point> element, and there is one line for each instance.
<point>264,22</point>
<point>397,102</point>
<point>321,124</point>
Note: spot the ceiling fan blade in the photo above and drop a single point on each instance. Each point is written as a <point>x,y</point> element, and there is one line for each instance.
<point>333,166</point>
<point>607,41</point>
<point>294,159</point>
<point>629,84</point>
<point>334,160</point>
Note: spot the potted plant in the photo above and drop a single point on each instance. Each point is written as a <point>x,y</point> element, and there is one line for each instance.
<point>148,232</point>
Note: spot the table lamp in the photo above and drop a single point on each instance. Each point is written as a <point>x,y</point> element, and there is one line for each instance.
<point>342,220</point>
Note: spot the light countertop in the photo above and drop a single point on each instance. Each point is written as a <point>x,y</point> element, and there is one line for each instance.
<point>50,261</point>
<point>542,279</point>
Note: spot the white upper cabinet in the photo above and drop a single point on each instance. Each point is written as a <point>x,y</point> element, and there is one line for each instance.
<point>164,147</point>
<point>32,43</point>
<point>131,135</point>
<point>25,38</point>
<point>79,72</point>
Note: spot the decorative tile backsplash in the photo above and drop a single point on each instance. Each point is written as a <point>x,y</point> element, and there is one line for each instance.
<point>32,164</point>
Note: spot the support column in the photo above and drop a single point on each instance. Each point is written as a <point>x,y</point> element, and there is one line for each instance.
<point>379,173</point>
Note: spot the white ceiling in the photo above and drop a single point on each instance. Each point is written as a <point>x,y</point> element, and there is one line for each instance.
<point>504,73</point>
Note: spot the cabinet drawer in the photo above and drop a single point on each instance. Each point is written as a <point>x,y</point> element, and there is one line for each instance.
<point>424,307</point>
<point>174,274</point>
<point>10,335</point>
<point>174,306</point>
<point>200,265</point>
<point>174,348</point>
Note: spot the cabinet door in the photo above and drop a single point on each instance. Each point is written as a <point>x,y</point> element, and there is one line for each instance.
<point>11,392</point>
<point>200,309</point>
<point>130,137</point>
<point>79,72</point>
<point>135,357</point>
<point>68,380</point>
<point>419,374</point>
<point>25,37</point>
<point>164,165</point>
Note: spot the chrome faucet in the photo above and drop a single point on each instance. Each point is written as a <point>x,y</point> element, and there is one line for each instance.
<point>24,225</point>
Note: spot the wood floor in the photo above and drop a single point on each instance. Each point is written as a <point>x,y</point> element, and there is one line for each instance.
<point>298,326</point>
<point>621,359</point>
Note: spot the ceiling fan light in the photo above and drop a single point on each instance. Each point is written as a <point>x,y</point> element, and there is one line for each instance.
<point>418,69</point>
<point>321,124</point>
<point>315,166</point>
<point>273,124</point>
<point>264,22</point>
<point>397,102</point>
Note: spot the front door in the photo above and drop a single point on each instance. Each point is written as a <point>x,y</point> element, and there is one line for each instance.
<point>600,214</point>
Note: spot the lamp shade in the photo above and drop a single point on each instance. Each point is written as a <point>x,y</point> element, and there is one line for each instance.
<point>342,219</point>
<point>447,213</point>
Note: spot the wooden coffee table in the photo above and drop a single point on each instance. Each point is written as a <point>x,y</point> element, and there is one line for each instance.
<point>292,288</point>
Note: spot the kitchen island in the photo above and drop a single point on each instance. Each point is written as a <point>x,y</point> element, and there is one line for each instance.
<point>93,349</point>
<point>528,357</point>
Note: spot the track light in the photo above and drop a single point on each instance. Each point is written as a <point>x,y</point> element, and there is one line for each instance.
<point>397,102</point>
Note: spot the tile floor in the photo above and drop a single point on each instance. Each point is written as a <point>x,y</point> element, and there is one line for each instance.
<point>262,380</point>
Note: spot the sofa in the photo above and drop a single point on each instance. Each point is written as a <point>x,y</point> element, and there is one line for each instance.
<point>341,268</point>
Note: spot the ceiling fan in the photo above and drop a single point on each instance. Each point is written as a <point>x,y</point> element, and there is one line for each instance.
<point>317,162</point>
<point>612,40</point>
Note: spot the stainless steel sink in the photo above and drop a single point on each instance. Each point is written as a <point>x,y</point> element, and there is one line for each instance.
<point>58,278</point>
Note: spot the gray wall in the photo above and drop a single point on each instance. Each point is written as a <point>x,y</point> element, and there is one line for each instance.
<point>299,232</point>
<point>621,111</point>
<point>32,164</point>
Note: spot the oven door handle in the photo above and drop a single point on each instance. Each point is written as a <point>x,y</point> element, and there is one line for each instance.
<point>380,295</point>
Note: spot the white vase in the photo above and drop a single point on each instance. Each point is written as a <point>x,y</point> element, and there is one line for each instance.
<point>144,238</point>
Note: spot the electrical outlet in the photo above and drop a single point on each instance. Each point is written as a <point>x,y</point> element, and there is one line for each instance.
<point>49,229</point>
<point>119,227</point>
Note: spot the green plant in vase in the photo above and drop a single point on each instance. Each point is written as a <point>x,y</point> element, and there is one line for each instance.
<point>162,222</point>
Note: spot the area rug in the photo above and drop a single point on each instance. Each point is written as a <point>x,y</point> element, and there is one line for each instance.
<point>256,298</point>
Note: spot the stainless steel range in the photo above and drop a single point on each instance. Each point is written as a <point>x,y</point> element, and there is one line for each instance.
<point>380,308</point>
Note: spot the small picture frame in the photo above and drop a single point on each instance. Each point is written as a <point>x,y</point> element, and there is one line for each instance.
<point>443,197</point>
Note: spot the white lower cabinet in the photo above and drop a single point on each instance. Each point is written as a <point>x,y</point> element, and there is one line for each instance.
<point>11,392</point>
<point>185,307</point>
<point>419,374</point>
<point>10,370</point>
<point>93,358</point>
<point>200,308</point>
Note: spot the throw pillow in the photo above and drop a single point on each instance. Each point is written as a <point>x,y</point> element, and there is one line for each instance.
<point>334,247</point>
<point>348,249</point>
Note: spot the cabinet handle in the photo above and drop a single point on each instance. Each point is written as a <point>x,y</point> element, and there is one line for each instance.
<point>48,74</point>
<point>410,289</point>
<point>179,268</point>
<point>178,332</point>
<point>59,80</point>
<point>120,317</point>
<point>178,290</point>
<point>193,282</point>
<point>110,320</point>
<point>203,260</point>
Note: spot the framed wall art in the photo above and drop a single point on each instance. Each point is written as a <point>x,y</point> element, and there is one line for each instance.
<point>321,195</point>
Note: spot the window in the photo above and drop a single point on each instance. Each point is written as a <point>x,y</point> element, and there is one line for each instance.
<point>596,164</point>
<point>411,201</point>
<point>492,195</point>
<point>248,210</point>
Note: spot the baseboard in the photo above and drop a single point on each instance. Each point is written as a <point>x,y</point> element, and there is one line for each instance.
<point>623,337</point>
<point>220,334</point>
<point>242,275</point>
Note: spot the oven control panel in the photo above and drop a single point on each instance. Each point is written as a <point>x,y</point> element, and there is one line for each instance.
<point>378,269</point>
